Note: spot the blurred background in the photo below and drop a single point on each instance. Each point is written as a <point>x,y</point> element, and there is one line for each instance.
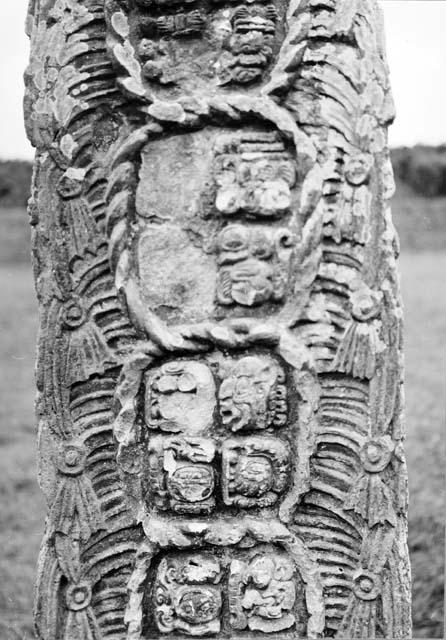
<point>417,59</point>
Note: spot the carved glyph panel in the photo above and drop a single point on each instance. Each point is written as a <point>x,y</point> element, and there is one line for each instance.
<point>220,361</point>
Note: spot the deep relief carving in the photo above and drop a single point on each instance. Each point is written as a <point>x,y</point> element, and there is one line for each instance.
<point>181,474</point>
<point>187,596</point>
<point>219,369</point>
<point>253,395</point>
<point>255,471</point>
<point>254,175</point>
<point>253,265</point>
<point>180,397</point>
<point>262,593</point>
<point>249,46</point>
<point>155,48</point>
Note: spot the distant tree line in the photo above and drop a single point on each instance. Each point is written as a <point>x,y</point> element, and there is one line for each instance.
<point>15,182</point>
<point>421,167</point>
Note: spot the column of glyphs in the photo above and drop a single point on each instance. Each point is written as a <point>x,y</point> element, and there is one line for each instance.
<point>220,386</point>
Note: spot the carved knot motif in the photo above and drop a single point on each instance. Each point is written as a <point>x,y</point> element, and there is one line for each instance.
<point>365,303</point>
<point>366,585</point>
<point>376,454</point>
<point>370,496</point>
<point>73,314</point>
<point>78,596</point>
<point>71,459</point>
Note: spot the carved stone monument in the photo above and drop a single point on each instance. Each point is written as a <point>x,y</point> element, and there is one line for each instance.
<point>220,361</point>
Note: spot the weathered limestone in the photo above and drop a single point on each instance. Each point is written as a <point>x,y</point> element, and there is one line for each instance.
<point>220,369</point>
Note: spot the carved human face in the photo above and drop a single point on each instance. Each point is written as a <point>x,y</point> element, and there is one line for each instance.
<point>268,595</point>
<point>261,572</point>
<point>279,597</point>
<point>245,394</point>
<point>187,595</point>
<point>357,168</point>
<point>255,183</point>
<point>255,470</point>
<point>249,47</point>
<point>181,474</point>
<point>253,476</point>
<point>196,48</point>
<point>197,604</point>
<point>191,483</point>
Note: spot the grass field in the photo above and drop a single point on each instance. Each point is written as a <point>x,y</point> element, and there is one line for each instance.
<point>422,226</point>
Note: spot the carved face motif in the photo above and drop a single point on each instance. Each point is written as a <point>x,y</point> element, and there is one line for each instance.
<point>181,475</point>
<point>253,396</point>
<point>197,605</point>
<point>250,45</point>
<point>267,593</point>
<point>253,476</point>
<point>157,43</point>
<point>254,175</point>
<point>255,471</point>
<point>191,483</point>
<point>253,265</point>
<point>187,597</point>
<point>357,169</point>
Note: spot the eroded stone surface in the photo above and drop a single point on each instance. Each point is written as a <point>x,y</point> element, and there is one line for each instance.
<point>219,368</point>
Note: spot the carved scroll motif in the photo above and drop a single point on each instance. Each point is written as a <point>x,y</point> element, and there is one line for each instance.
<point>219,369</point>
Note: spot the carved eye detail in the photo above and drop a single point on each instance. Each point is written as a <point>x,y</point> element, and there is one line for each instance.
<point>233,239</point>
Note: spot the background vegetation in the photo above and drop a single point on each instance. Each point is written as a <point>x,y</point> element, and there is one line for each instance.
<point>421,223</point>
<point>421,168</point>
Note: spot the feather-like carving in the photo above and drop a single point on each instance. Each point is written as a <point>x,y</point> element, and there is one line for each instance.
<point>87,354</point>
<point>361,345</point>
<point>359,621</point>
<point>358,349</point>
<point>371,499</point>
<point>369,496</point>
<point>87,351</point>
<point>81,233</point>
<point>48,592</point>
<point>360,618</point>
<point>82,625</point>
<point>75,498</point>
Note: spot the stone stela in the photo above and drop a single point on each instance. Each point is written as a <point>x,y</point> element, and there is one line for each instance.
<point>219,371</point>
